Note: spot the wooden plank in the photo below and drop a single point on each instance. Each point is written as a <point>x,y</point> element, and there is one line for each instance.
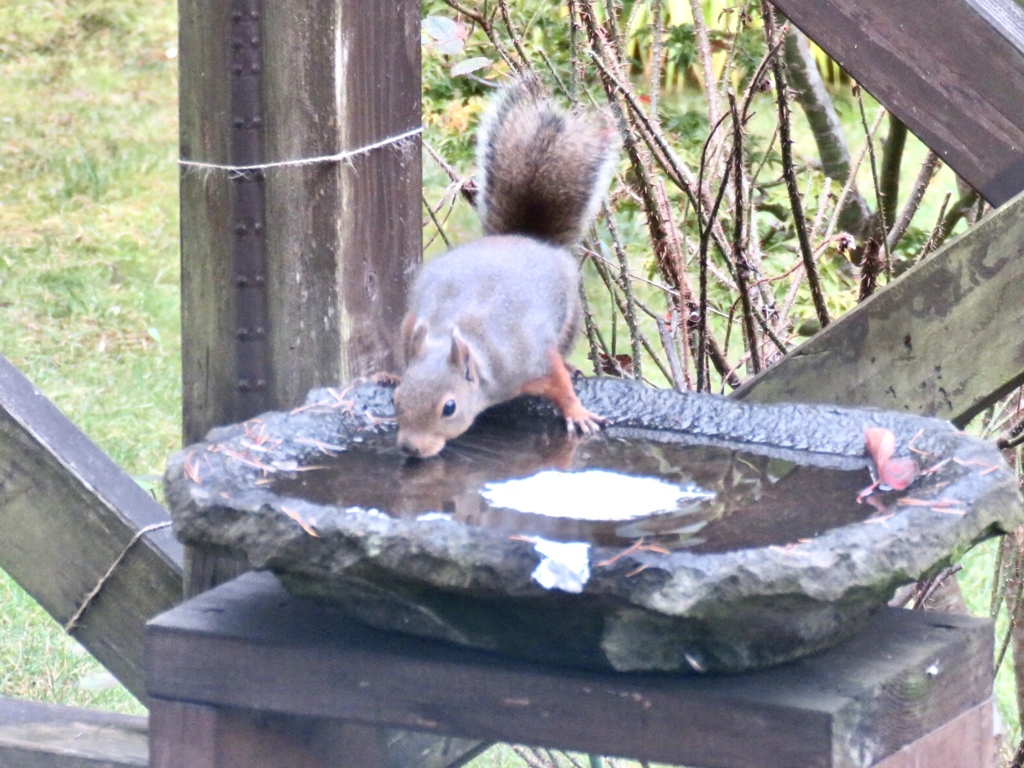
<point>342,239</point>
<point>67,513</point>
<point>965,101</point>
<point>186,735</point>
<point>196,736</point>
<point>945,339</point>
<point>964,742</point>
<point>34,735</point>
<point>250,645</point>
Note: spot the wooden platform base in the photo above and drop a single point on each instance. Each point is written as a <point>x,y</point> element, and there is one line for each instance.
<point>34,735</point>
<point>248,675</point>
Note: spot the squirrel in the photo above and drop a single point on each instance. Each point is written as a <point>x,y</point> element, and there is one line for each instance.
<point>492,319</point>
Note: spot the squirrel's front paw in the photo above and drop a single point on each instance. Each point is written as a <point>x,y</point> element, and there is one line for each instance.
<point>385,379</point>
<point>583,421</point>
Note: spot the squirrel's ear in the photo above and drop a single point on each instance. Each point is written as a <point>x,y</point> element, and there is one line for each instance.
<point>461,356</point>
<point>413,335</point>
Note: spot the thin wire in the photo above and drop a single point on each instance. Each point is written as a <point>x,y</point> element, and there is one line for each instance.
<point>336,158</point>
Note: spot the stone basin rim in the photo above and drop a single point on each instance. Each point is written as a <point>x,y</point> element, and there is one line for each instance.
<point>772,570</point>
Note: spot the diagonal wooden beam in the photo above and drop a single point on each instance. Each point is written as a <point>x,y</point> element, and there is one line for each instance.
<point>67,515</point>
<point>945,339</point>
<point>952,70</point>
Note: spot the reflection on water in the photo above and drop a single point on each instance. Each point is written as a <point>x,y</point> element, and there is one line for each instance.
<point>600,490</point>
<point>596,494</point>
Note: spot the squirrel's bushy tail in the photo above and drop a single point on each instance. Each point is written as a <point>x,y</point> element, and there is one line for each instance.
<point>542,171</point>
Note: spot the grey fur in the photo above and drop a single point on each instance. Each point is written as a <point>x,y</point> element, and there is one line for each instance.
<point>495,317</point>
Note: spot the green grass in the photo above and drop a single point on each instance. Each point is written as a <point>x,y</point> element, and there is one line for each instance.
<point>88,265</point>
<point>89,217</point>
<point>89,276</point>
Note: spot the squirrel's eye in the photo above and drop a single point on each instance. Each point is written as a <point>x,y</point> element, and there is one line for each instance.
<point>448,409</point>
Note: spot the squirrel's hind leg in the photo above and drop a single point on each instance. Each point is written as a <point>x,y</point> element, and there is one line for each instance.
<point>556,385</point>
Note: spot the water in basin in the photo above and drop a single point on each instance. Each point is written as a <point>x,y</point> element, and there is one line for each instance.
<point>601,490</point>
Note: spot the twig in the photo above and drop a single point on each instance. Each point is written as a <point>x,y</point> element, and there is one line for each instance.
<point>1012,608</point>
<point>721,364</point>
<point>513,35</point>
<point>681,176</point>
<point>656,222</point>
<point>532,758</point>
<point>928,587</point>
<point>467,190</point>
<point>627,289</point>
<point>657,56</point>
<point>670,352</point>
<point>888,181</point>
<point>484,23</point>
<point>594,338</point>
<point>997,580</point>
<point>931,243</point>
<point>612,13</point>
<point>703,375</point>
<point>574,62</point>
<point>601,266</point>
<point>700,29</point>
<point>871,266</point>
<point>813,97</point>
<point>924,177</point>
<point>789,172</point>
<point>662,153</point>
<point>851,180</point>
<point>959,210</point>
<point>738,250</point>
<point>437,223</point>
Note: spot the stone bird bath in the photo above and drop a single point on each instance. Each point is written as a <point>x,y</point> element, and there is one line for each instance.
<point>725,535</point>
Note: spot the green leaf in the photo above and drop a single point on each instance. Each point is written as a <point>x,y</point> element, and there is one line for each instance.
<point>471,65</point>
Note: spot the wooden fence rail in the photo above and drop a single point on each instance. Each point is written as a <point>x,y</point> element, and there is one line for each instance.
<point>68,514</point>
<point>946,339</point>
<point>950,69</point>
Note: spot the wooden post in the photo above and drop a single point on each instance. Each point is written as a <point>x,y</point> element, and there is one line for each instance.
<point>294,276</point>
<point>323,251</point>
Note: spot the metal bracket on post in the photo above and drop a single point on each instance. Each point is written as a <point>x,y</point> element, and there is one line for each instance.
<point>248,209</point>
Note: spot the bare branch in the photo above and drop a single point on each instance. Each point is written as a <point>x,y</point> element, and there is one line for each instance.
<point>513,35</point>
<point>657,57</point>
<point>738,249</point>
<point>789,172</point>
<point>961,209</point>
<point>851,179</point>
<point>810,93</point>
<point>889,177</point>
<point>700,29</point>
<point>902,223</point>
<point>485,24</point>
<point>629,310</point>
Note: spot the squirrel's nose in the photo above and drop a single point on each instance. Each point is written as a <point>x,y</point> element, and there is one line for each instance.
<point>420,446</point>
<point>409,449</point>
